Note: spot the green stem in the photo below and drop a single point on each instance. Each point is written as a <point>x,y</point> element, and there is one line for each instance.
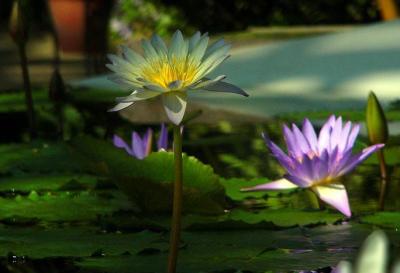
<point>27,89</point>
<point>382,166</point>
<point>314,200</point>
<point>177,202</point>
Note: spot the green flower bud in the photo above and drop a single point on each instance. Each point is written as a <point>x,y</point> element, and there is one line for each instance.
<point>376,121</point>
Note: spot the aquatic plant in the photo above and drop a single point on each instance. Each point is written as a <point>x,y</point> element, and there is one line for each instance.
<point>378,132</point>
<point>141,146</point>
<point>317,163</point>
<point>169,72</point>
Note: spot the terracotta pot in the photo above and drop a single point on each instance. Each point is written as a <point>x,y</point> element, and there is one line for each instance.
<point>81,25</point>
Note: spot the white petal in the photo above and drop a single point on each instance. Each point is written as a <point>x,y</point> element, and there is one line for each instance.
<point>159,44</point>
<point>215,46</point>
<point>336,196</point>
<point>138,95</point>
<point>373,255</point>
<point>342,267</point>
<point>175,106</point>
<point>179,46</point>
<point>220,86</point>
<point>280,184</point>
<point>149,52</point>
<point>132,57</point>
<point>206,82</point>
<point>198,51</point>
<point>194,40</point>
<point>120,106</point>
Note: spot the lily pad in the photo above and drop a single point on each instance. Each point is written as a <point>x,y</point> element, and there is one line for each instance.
<point>383,219</point>
<point>148,182</point>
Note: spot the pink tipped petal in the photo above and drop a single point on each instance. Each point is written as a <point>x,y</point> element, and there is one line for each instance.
<point>336,196</point>
<point>310,135</point>
<point>280,184</point>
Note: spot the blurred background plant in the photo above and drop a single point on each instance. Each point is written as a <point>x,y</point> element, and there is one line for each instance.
<point>144,17</point>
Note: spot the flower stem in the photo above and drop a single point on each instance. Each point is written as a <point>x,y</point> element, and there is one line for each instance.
<point>27,89</point>
<point>313,199</point>
<point>382,166</point>
<point>177,202</point>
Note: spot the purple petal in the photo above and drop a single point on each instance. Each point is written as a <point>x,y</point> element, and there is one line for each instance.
<point>301,141</point>
<point>344,136</point>
<point>336,196</point>
<point>360,157</point>
<point>280,184</point>
<point>310,135</point>
<point>293,149</point>
<point>325,135</point>
<point>333,160</point>
<point>352,136</point>
<point>120,143</point>
<point>147,141</point>
<point>298,181</point>
<point>283,159</point>
<point>162,143</point>
<point>320,166</point>
<point>336,133</point>
<point>138,146</point>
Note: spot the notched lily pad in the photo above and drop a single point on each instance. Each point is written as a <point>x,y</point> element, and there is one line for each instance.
<point>148,182</point>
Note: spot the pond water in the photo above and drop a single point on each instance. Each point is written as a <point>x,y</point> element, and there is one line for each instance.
<point>57,216</point>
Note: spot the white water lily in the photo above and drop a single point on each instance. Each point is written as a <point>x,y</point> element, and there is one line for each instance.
<point>171,71</point>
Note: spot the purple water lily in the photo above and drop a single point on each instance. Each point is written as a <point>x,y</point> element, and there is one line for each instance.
<point>317,162</point>
<point>141,146</point>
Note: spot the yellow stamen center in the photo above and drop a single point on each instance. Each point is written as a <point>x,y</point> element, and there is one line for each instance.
<point>165,70</point>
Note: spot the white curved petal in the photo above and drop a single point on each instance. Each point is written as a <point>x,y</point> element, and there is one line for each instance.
<point>175,106</point>
<point>215,46</point>
<point>334,195</point>
<point>138,95</point>
<point>206,82</point>
<point>220,86</point>
<point>120,106</point>
<point>280,184</point>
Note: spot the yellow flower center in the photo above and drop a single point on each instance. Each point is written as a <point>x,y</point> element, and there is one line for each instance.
<point>165,70</point>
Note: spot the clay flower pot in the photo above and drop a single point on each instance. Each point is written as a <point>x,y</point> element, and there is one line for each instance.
<point>81,25</point>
